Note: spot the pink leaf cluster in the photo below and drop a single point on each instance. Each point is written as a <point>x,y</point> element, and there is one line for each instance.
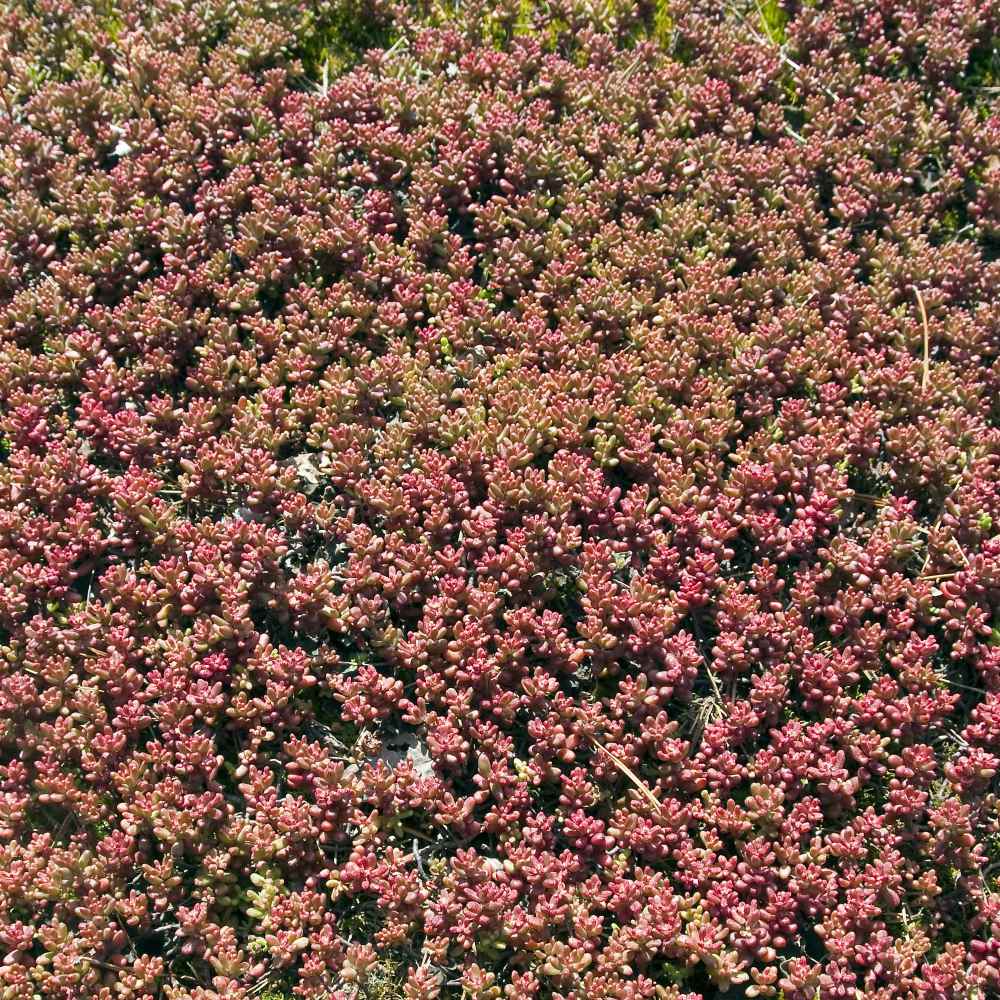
<point>519,517</point>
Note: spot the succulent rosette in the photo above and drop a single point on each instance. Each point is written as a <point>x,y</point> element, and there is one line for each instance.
<point>499,500</point>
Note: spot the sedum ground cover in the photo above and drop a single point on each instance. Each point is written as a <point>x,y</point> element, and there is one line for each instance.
<point>499,501</point>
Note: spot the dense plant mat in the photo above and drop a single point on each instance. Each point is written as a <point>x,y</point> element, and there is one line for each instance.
<point>499,500</point>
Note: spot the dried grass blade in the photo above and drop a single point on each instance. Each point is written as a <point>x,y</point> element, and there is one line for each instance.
<point>927,341</point>
<point>639,784</point>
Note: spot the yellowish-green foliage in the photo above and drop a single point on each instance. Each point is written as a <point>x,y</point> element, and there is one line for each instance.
<point>773,20</point>
<point>500,28</point>
<point>336,34</point>
<point>384,982</point>
<point>663,23</point>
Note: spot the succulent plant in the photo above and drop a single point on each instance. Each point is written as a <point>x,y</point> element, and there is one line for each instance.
<point>508,513</point>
